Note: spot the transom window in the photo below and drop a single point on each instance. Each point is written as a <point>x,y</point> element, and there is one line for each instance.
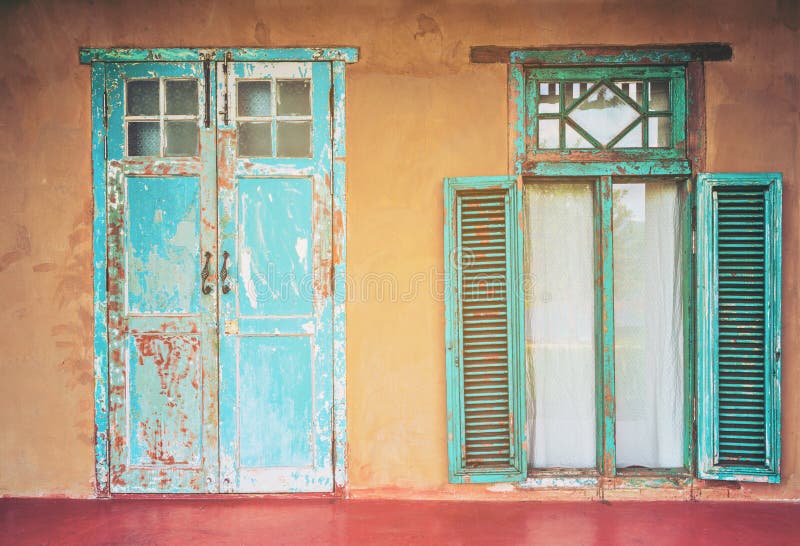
<point>622,109</point>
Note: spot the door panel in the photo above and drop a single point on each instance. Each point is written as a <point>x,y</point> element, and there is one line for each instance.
<point>276,385</point>
<point>165,403</point>
<point>162,327</point>
<point>274,245</point>
<point>276,394</point>
<point>163,245</point>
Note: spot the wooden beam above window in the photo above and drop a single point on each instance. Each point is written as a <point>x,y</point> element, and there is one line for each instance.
<point>594,54</point>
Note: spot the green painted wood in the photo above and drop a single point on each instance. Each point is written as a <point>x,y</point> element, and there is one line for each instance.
<point>606,76</point>
<point>518,119</point>
<point>602,165</point>
<point>484,330</point>
<point>297,54</point>
<point>604,324</point>
<point>607,168</point>
<point>738,337</point>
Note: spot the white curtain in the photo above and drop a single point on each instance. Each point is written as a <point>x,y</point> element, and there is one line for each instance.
<point>648,325</point>
<point>559,325</point>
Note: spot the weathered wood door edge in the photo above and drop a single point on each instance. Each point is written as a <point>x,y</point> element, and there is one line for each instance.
<point>98,58</point>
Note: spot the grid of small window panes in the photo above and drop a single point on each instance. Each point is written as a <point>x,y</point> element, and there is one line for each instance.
<point>274,118</point>
<point>161,117</point>
<point>606,113</point>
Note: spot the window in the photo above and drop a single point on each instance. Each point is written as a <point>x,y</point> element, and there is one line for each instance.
<point>161,117</point>
<point>566,310</point>
<point>624,109</point>
<point>571,313</point>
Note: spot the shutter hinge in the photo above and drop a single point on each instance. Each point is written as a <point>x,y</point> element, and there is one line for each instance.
<point>694,242</point>
<point>694,230</point>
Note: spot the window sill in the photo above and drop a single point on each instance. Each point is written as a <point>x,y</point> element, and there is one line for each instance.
<point>625,479</point>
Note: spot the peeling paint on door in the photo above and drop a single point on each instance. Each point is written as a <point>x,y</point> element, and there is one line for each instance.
<point>233,235</point>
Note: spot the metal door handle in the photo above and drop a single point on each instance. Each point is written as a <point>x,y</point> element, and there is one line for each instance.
<point>204,288</point>
<point>223,273</point>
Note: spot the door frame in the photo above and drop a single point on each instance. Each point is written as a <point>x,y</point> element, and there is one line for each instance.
<point>97,58</point>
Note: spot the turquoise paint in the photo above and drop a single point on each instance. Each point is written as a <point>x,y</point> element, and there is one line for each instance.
<point>275,401</point>
<point>163,227</point>
<point>159,213</point>
<point>274,247</point>
<point>514,467</point>
<point>275,221</point>
<point>100,340</point>
<point>106,235</point>
<point>164,411</point>
<point>708,449</point>
<point>342,54</point>
<point>340,277</point>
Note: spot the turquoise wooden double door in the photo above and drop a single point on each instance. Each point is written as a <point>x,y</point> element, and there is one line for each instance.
<point>219,277</point>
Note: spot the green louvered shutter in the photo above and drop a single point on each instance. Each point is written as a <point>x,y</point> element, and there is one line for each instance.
<point>485,330</point>
<point>739,321</point>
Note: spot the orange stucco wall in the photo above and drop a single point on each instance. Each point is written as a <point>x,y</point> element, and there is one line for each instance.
<point>417,111</point>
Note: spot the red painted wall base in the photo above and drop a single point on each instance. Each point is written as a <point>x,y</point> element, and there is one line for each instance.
<point>337,521</point>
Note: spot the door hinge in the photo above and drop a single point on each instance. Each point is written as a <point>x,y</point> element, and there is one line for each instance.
<point>331,110</point>
<point>207,88</point>
<point>105,124</point>
<point>105,109</point>
<point>225,93</point>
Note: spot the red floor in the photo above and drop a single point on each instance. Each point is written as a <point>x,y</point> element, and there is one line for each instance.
<point>324,521</point>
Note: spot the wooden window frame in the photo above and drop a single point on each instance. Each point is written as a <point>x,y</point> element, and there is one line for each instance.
<point>684,68</point>
<point>605,397</point>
